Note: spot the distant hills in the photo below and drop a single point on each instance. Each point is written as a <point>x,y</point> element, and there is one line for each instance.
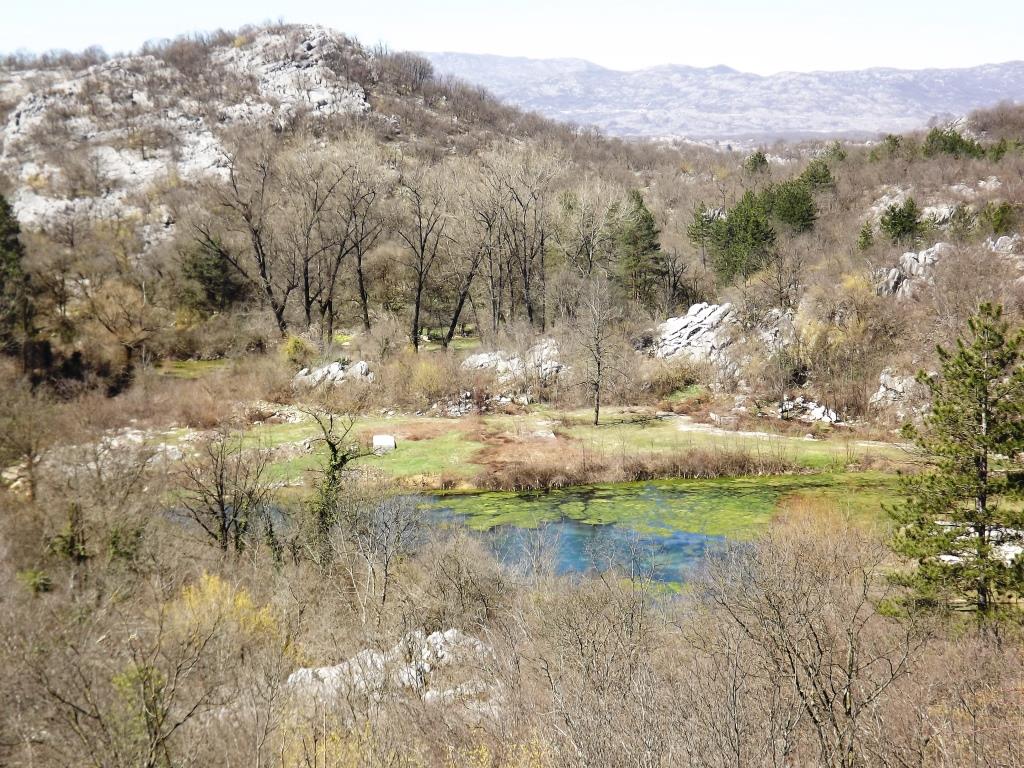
<point>719,103</point>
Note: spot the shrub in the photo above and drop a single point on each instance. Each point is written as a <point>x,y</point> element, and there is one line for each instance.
<point>949,141</point>
<point>902,222</point>
<point>741,240</point>
<point>792,204</point>
<point>817,175</point>
<point>298,351</point>
<point>36,581</point>
<point>756,162</point>
<point>1000,218</point>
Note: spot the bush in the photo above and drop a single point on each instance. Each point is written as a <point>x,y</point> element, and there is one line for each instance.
<point>903,222</point>
<point>298,351</point>
<point>1000,218</point>
<point>818,176</point>
<point>948,141</point>
<point>36,581</point>
<point>741,240</point>
<point>792,204</point>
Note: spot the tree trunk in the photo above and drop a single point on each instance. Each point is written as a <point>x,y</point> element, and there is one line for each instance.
<point>363,299</point>
<point>416,317</point>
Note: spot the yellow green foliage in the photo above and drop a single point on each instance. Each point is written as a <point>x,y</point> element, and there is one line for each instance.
<point>214,600</point>
<point>298,351</point>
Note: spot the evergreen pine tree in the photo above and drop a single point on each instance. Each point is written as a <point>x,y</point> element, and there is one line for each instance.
<point>791,204</point>
<point>962,519</point>
<point>15,301</point>
<point>866,238</point>
<point>640,264</point>
<point>742,240</point>
<point>903,223</point>
<point>817,175</point>
<point>700,229</point>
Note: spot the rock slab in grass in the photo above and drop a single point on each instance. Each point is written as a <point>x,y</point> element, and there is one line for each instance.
<point>384,444</point>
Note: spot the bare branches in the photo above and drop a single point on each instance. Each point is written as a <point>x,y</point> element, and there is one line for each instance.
<point>225,490</point>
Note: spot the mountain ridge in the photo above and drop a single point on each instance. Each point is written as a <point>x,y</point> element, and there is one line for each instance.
<point>721,103</point>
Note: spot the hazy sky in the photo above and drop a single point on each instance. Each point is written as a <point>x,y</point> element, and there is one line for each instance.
<point>753,35</point>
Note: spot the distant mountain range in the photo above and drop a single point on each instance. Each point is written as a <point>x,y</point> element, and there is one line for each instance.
<point>720,103</point>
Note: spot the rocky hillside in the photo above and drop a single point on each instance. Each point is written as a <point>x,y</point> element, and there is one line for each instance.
<point>721,103</point>
<point>104,138</point>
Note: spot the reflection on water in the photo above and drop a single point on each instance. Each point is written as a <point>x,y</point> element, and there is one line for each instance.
<point>570,545</point>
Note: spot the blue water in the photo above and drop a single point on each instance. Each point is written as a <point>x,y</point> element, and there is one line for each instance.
<point>569,546</point>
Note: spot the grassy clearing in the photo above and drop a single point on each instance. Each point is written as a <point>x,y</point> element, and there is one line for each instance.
<point>447,454</point>
<point>629,432</point>
<point>190,369</point>
<point>433,452</point>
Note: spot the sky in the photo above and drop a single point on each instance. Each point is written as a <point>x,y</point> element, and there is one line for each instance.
<point>759,36</point>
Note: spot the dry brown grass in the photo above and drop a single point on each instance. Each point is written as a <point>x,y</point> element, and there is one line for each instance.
<point>564,466</point>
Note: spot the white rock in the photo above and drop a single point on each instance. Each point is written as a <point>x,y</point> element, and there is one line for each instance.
<point>540,362</point>
<point>336,372</point>
<point>700,335</point>
<point>1007,245</point>
<point>270,79</point>
<point>384,444</point>
<point>406,666</point>
<point>899,393</point>
<point>912,270</point>
<point>808,411</point>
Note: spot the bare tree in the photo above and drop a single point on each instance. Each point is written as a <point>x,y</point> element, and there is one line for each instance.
<point>595,332</point>
<point>225,489</point>
<point>478,241</point>
<point>525,178</point>
<point>807,602</point>
<point>422,227</point>
<point>365,185</point>
<point>243,233</point>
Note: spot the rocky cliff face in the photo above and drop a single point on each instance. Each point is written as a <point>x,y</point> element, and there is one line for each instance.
<point>104,139</point>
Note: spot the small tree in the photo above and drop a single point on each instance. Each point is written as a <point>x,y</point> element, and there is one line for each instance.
<point>818,176</point>
<point>756,162</point>
<point>595,332</point>
<point>15,300</point>
<point>792,204</point>
<point>216,284</point>
<point>641,267</point>
<point>742,240</point>
<point>953,522</point>
<point>700,230</point>
<point>225,490</point>
<point>866,238</point>
<point>902,222</point>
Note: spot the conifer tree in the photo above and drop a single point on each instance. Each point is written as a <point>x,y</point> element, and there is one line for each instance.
<point>15,301</point>
<point>742,240</point>
<point>866,238</point>
<point>700,230</point>
<point>640,264</point>
<point>962,519</point>
<point>903,223</point>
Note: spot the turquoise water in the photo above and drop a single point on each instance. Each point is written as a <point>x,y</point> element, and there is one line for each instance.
<point>570,530</point>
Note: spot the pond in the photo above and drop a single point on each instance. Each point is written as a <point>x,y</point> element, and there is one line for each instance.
<point>667,525</point>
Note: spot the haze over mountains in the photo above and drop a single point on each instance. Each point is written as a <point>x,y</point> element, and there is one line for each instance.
<point>720,103</point>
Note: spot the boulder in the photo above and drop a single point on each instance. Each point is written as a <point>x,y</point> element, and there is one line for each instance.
<point>413,665</point>
<point>1007,245</point>
<point>384,444</point>
<point>912,270</point>
<point>540,362</point>
<point>337,372</point>
<point>808,411</point>
<point>900,394</point>
<point>699,335</point>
